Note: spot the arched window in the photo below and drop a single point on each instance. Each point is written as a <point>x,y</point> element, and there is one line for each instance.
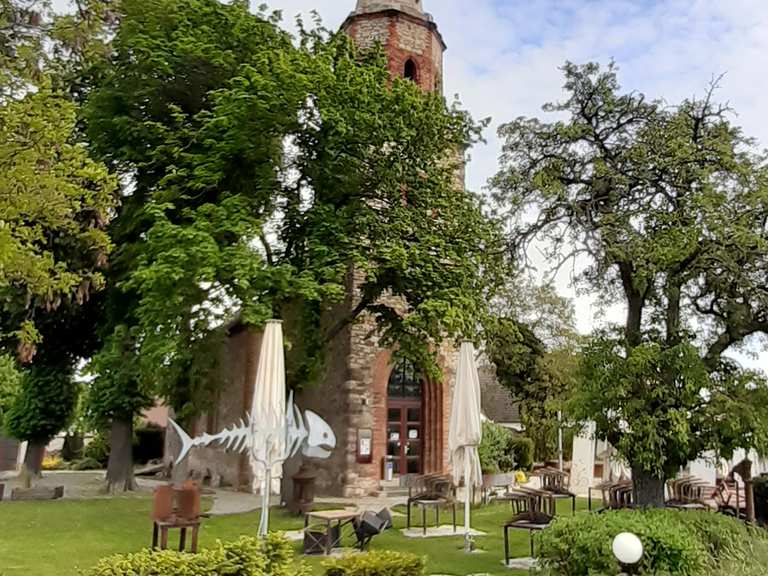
<point>410,72</point>
<point>404,381</point>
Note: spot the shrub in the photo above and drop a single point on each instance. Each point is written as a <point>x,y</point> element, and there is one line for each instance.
<point>98,449</point>
<point>676,543</point>
<point>494,452</point>
<point>86,464</point>
<point>244,557</point>
<point>377,564</point>
<point>522,450</point>
<point>53,463</point>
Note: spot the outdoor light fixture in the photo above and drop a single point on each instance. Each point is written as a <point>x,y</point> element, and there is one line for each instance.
<point>628,550</point>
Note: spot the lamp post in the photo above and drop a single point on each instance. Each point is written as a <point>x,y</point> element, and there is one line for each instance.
<point>628,550</point>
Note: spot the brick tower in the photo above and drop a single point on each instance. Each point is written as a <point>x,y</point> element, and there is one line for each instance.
<point>409,36</point>
<point>390,419</point>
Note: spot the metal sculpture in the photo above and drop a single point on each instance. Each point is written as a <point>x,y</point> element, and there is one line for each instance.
<point>268,446</point>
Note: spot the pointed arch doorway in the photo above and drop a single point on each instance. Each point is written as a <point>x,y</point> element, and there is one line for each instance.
<point>415,422</point>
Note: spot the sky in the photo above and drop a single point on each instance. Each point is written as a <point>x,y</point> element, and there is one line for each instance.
<point>504,56</point>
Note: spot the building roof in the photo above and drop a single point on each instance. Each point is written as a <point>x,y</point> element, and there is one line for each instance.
<point>497,401</point>
<point>412,7</point>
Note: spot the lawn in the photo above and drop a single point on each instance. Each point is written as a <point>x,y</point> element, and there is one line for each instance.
<point>61,538</point>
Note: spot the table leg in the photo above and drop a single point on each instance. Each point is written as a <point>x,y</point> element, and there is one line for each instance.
<point>164,538</point>
<point>437,515</point>
<point>328,536</point>
<point>533,551</point>
<point>453,507</point>
<point>589,499</point>
<point>183,540</point>
<point>424,518</point>
<point>155,535</point>
<point>574,504</point>
<point>506,545</point>
<point>193,547</point>
<point>408,516</point>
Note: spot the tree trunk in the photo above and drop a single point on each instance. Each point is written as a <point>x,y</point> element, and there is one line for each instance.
<point>33,459</point>
<point>649,489</point>
<point>120,467</point>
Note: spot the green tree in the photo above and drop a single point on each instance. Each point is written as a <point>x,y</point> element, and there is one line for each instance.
<point>10,378</point>
<point>55,202</point>
<point>667,205</point>
<point>533,342</point>
<point>264,176</point>
<point>42,407</point>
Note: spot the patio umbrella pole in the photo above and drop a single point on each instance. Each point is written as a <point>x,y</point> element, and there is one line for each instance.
<point>265,490</point>
<point>467,499</point>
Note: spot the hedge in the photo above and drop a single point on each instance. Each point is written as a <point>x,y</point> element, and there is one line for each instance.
<point>377,564</point>
<point>244,557</point>
<point>676,543</point>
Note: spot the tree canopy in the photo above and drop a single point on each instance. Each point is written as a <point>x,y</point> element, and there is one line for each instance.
<point>667,205</point>
<point>55,201</point>
<point>276,177</point>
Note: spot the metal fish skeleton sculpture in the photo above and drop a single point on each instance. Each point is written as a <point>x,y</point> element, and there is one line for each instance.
<point>309,434</point>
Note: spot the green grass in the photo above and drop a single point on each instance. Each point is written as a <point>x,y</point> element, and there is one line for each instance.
<point>61,538</point>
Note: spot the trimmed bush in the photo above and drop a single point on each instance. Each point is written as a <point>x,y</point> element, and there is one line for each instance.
<point>98,449</point>
<point>377,564</point>
<point>676,543</point>
<point>244,557</point>
<point>494,452</point>
<point>522,450</point>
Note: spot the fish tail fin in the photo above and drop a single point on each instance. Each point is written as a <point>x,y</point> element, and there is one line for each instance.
<point>186,441</point>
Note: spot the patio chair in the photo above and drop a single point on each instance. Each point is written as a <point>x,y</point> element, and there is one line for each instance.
<point>528,507</point>
<point>691,493</point>
<point>435,490</point>
<point>557,483</point>
<point>369,525</point>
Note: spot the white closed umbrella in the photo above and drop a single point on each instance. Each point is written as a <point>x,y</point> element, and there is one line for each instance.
<point>466,430</point>
<point>268,416</point>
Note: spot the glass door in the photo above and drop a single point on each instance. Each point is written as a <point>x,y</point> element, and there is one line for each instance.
<point>404,437</point>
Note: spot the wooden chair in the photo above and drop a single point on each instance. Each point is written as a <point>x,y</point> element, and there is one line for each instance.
<point>434,490</point>
<point>528,506</point>
<point>557,483</point>
<point>176,509</point>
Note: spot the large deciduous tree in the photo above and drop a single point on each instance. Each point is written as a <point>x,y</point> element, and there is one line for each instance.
<point>667,206</point>
<point>264,176</point>
<point>55,202</point>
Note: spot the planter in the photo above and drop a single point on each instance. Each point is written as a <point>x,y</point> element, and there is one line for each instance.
<point>41,493</point>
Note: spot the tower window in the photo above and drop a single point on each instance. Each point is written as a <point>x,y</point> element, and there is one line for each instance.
<point>410,71</point>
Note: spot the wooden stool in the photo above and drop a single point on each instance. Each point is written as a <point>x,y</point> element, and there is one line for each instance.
<point>161,528</point>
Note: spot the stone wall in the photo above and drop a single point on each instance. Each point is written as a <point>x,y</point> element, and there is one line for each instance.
<point>237,371</point>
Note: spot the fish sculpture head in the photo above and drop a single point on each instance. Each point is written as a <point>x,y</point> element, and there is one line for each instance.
<point>320,440</point>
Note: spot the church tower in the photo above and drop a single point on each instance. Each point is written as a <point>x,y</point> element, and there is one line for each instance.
<point>390,418</point>
<point>409,36</point>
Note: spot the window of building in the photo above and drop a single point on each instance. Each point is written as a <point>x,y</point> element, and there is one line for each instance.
<point>410,72</point>
<point>405,381</point>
